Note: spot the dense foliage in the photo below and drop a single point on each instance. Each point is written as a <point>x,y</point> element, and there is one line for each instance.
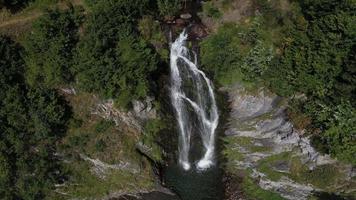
<point>315,57</point>
<point>50,47</point>
<point>320,63</point>
<point>169,7</point>
<point>13,4</point>
<point>237,52</point>
<point>31,121</point>
<point>112,58</point>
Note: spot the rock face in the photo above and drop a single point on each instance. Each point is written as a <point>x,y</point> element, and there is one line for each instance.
<point>261,132</point>
<point>135,118</point>
<point>100,168</point>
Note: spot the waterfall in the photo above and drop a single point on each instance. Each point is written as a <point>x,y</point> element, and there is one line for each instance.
<point>193,99</point>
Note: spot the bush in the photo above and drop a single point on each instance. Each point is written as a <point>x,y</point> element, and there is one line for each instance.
<point>341,131</point>
<point>11,63</point>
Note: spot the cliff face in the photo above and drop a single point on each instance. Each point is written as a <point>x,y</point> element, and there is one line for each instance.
<point>265,146</point>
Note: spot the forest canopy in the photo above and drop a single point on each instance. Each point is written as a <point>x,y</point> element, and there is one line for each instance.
<point>31,121</point>
<point>112,58</point>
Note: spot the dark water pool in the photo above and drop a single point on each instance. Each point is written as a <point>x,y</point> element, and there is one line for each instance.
<point>194,184</point>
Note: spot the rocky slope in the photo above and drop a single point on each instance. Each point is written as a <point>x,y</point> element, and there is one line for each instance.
<point>265,145</point>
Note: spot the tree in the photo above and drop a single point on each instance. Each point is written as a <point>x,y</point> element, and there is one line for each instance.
<point>112,59</point>
<point>31,122</point>
<point>50,47</point>
<point>14,4</point>
<point>168,7</point>
<point>237,52</point>
<point>11,64</point>
<point>341,132</point>
<point>319,61</point>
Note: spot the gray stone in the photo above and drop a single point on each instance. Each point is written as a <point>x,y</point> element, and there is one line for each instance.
<point>186,16</point>
<point>261,116</point>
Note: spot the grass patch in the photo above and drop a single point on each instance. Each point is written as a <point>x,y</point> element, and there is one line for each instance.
<point>152,128</point>
<point>103,125</point>
<point>231,153</point>
<point>248,143</point>
<point>101,139</point>
<point>211,10</point>
<point>259,148</point>
<point>266,165</point>
<point>96,137</point>
<point>253,191</point>
<point>18,24</point>
<point>324,176</point>
<point>84,183</point>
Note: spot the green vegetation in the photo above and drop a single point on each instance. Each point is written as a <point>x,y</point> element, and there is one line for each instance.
<point>266,165</point>
<point>324,177</point>
<point>32,121</point>
<point>340,130</point>
<point>169,7</point>
<point>231,153</point>
<point>253,191</point>
<point>50,47</point>
<point>100,139</point>
<point>112,59</point>
<point>152,129</point>
<point>113,50</point>
<point>104,51</point>
<point>150,29</point>
<point>305,47</point>
<point>83,183</point>
<point>14,4</point>
<point>238,53</point>
<point>322,67</point>
<point>211,11</point>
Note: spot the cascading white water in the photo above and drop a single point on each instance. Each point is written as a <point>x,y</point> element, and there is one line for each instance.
<point>193,99</point>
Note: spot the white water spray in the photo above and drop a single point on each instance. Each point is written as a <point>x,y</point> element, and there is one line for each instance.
<point>193,99</point>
